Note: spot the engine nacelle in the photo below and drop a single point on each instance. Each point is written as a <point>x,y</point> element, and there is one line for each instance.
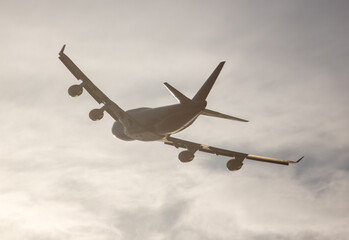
<point>96,114</point>
<point>234,164</point>
<point>75,90</point>
<point>118,131</point>
<point>186,156</point>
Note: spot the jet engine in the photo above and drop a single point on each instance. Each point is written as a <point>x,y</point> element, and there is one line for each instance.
<point>75,90</point>
<point>234,164</point>
<point>186,156</point>
<point>96,114</point>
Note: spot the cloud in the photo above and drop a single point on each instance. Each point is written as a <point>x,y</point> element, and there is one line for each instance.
<point>63,176</point>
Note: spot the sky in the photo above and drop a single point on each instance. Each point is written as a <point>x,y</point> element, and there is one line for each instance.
<point>63,176</point>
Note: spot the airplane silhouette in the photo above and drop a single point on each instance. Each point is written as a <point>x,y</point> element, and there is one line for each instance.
<point>158,124</point>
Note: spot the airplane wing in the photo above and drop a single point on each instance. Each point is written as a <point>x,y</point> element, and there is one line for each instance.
<point>109,106</point>
<point>193,147</point>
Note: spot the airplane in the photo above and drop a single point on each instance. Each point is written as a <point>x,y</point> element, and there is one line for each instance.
<point>159,124</point>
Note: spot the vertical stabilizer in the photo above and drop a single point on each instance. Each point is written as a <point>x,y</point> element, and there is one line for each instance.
<point>202,94</point>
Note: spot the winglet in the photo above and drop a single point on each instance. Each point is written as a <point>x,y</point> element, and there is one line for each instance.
<point>299,159</point>
<point>62,50</point>
<point>294,162</point>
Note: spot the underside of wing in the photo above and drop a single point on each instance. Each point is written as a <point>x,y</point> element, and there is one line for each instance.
<point>233,164</point>
<point>271,160</point>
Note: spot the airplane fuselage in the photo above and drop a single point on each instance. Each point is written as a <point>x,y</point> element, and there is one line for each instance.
<point>157,123</point>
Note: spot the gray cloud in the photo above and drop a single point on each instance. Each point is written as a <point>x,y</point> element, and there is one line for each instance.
<point>63,176</point>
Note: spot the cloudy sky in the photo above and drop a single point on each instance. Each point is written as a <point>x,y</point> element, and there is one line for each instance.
<point>63,176</point>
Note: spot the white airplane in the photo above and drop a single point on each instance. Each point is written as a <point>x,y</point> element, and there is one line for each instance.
<point>158,124</point>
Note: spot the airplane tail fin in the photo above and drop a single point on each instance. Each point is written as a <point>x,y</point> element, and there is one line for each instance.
<point>202,94</point>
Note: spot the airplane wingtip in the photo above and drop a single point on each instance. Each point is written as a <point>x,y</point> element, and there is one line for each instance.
<point>242,120</point>
<point>62,50</point>
<point>299,159</point>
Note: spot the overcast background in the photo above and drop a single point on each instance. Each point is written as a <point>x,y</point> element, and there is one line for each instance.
<point>63,176</point>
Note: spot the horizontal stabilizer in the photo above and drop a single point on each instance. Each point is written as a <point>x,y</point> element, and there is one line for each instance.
<point>177,94</point>
<point>211,113</point>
